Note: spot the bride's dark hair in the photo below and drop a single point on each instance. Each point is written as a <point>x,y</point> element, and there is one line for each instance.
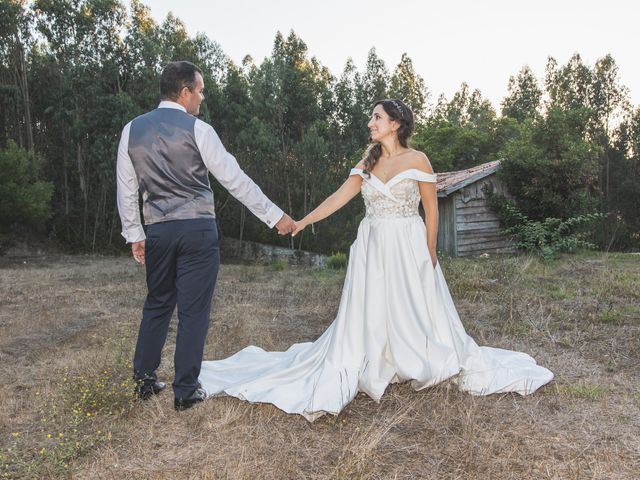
<point>401,113</point>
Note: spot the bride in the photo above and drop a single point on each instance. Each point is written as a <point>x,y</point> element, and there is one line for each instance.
<point>396,320</point>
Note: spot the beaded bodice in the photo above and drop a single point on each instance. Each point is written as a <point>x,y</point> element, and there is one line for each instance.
<point>378,205</point>
<point>399,197</point>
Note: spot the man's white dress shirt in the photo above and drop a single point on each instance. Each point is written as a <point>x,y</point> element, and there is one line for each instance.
<point>222,165</point>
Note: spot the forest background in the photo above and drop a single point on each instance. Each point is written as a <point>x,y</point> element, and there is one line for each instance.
<point>74,72</point>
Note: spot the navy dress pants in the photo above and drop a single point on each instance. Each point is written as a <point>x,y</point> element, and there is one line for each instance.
<point>182,259</point>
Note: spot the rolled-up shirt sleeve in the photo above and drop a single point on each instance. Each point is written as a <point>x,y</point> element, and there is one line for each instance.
<point>127,192</point>
<point>226,170</point>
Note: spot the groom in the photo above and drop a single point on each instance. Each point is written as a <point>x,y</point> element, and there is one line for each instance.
<point>166,154</point>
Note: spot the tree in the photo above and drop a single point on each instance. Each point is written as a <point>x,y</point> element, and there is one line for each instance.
<point>460,133</point>
<point>524,96</point>
<point>350,116</point>
<point>625,176</point>
<point>608,102</point>
<point>372,85</point>
<point>24,195</point>
<point>408,86</point>
<point>15,39</point>
<point>141,64</point>
<point>568,86</point>
<point>74,72</point>
<point>550,170</point>
<point>603,101</point>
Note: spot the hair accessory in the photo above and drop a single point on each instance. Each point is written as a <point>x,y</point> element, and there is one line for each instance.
<point>398,107</point>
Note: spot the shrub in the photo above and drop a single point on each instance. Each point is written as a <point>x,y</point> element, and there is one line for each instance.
<point>544,237</point>
<point>278,264</point>
<point>337,261</point>
<point>24,197</point>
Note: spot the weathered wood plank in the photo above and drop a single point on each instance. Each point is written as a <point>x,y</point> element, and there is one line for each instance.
<point>481,239</point>
<point>479,232</point>
<point>483,247</point>
<point>462,227</point>
<point>489,251</point>
<point>476,217</point>
<point>447,226</point>
<point>470,209</point>
<point>476,202</point>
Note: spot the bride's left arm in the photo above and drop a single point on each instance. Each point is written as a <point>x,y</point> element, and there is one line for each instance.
<point>429,198</point>
<point>338,199</point>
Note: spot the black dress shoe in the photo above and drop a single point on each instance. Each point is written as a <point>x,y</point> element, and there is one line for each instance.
<point>144,391</point>
<point>197,396</point>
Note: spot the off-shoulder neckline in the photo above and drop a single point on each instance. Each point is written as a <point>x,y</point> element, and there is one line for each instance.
<point>396,175</point>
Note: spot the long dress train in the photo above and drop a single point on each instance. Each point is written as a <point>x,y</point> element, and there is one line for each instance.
<point>396,322</point>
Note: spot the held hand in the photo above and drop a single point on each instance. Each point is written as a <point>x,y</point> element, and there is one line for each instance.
<point>285,225</point>
<point>300,225</point>
<point>137,249</point>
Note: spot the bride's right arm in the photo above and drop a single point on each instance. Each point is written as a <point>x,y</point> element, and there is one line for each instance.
<point>332,203</point>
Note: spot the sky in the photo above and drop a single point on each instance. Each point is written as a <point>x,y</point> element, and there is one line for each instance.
<point>481,42</point>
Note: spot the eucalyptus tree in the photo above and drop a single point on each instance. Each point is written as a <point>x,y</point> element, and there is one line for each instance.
<point>15,41</point>
<point>609,103</point>
<point>625,172</point>
<point>408,86</point>
<point>142,62</point>
<point>524,96</point>
<point>373,84</point>
<point>603,101</point>
<point>460,133</point>
<point>350,117</point>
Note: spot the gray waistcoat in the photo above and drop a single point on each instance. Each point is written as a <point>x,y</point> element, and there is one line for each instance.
<point>173,179</point>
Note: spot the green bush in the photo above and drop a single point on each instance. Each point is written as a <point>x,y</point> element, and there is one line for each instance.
<point>337,261</point>
<point>549,169</point>
<point>544,237</point>
<point>278,264</point>
<point>24,197</point>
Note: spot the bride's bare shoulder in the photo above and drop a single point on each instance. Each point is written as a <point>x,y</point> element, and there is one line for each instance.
<point>420,161</point>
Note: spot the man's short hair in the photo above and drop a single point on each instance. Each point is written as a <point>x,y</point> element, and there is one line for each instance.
<point>175,76</point>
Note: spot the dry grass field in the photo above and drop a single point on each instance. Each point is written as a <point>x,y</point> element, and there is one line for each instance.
<point>68,326</point>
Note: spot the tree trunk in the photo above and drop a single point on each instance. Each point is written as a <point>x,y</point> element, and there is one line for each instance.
<point>83,189</point>
<point>65,175</point>
<point>304,207</point>
<point>291,244</point>
<point>243,215</point>
<point>101,206</point>
<point>114,219</point>
<point>24,88</point>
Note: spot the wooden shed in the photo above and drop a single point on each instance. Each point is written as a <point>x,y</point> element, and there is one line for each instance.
<point>467,226</point>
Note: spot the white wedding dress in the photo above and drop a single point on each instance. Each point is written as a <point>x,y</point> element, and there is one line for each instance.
<point>396,322</point>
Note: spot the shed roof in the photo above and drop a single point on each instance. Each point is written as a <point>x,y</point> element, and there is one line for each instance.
<point>449,182</point>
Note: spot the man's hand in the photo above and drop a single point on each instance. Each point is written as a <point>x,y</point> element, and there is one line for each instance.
<point>137,248</point>
<point>285,225</point>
